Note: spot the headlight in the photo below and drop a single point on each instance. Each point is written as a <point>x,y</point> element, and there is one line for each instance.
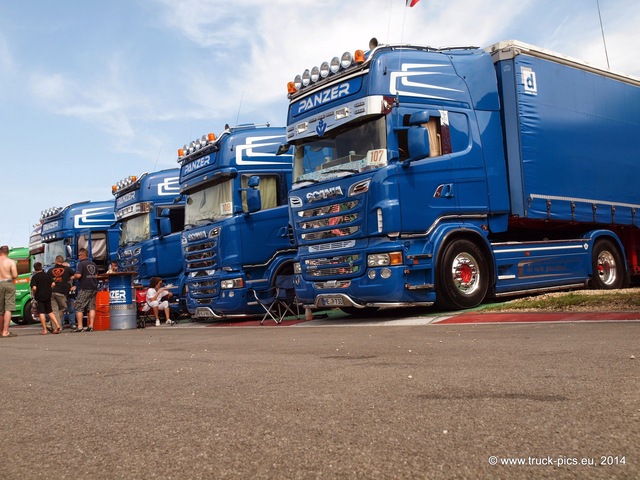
<point>315,74</point>
<point>335,65</point>
<point>324,69</point>
<point>345,61</point>
<point>232,283</point>
<point>297,82</point>
<point>306,78</point>
<point>297,268</point>
<point>384,259</point>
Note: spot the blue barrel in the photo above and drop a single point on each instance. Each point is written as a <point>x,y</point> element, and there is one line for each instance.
<point>122,301</point>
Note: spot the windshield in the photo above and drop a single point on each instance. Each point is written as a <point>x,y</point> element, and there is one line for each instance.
<point>135,230</point>
<point>54,249</point>
<point>211,203</point>
<point>341,152</point>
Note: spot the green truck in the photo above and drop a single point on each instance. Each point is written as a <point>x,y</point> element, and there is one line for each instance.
<point>22,314</point>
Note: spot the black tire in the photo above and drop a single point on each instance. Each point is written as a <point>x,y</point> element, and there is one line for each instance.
<point>26,318</point>
<point>608,268</point>
<point>462,279</point>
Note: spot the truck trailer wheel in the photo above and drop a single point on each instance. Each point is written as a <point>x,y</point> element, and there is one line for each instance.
<point>463,276</point>
<point>608,269</point>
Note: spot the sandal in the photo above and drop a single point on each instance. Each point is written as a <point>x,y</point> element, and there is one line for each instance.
<point>44,333</point>
<point>57,330</point>
<point>10,334</point>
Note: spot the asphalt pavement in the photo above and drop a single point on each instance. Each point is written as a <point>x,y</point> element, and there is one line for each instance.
<point>367,399</point>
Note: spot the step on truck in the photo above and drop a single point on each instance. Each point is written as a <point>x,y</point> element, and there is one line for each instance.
<point>447,175</point>
<point>90,225</point>
<point>236,236</point>
<point>149,211</point>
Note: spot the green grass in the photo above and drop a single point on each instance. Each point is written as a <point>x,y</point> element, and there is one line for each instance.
<point>572,301</point>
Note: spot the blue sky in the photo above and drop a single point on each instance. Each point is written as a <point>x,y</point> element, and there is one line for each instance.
<point>91,92</point>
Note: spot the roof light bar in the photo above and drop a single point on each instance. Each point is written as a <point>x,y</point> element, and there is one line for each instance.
<point>196,145</point>
<point>326,69</point>
<point>124,183</point>
<point>50,212</point>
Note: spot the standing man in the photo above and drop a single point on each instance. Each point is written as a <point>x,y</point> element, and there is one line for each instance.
<point>41,289</point>
<point>62,275</point>
<point>8,273</point>
<point>86,274</point>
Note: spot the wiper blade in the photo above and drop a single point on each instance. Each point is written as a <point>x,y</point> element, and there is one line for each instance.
<point>308,180</point>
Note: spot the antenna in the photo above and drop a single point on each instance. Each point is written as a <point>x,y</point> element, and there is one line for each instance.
<point>604,42</point>
<point>239,107</point>
<point>156,165</point>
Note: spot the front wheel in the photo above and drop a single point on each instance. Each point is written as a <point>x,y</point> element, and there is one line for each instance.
<point>462,280</point>
<point>608,268</point>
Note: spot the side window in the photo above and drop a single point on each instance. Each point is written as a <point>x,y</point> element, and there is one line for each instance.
<point>269,191</point>
<point>458,127</point>
<point>448,133</point>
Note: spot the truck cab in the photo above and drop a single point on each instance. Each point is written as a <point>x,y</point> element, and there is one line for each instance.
<point>236,233</point>
<point>150,213</point>
<point>90,225</point>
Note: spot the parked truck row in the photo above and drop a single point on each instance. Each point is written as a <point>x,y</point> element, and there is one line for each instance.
<point>405,176</point>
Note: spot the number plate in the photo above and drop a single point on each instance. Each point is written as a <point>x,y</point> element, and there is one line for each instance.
<point>332,301</point>
<point>202,313</point>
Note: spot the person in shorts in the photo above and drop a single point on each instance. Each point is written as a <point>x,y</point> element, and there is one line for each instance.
<point>87,276</point>
<point>62,275</point>
<point>154,297</point>
<point>41,289</point>
<point>8,274</point>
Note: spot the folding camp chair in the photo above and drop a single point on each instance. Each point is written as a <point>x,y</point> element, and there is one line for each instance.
<point>179,310</point>
<point>143,312</point>
<point>278,301</point>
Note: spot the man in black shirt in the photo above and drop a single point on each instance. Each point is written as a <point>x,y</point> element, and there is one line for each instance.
<point>86,274</point>
<point>62,275</point>
<point>41,285</point>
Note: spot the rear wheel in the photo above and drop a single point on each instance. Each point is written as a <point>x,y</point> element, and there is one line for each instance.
<point>608,268</point>
<point>463,276</point>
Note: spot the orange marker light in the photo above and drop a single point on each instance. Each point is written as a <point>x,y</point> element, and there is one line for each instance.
<point>358,56</point>
<point>180,152</point>
<point>291,87</point>
<point>211,137</point>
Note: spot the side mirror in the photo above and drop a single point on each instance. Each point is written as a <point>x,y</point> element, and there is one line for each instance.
<point>418,135</point>
<point>164,222</point>
<point>282,149</point>
<point>254,199</point>
<point>69,251</point>
<point>418,140</point>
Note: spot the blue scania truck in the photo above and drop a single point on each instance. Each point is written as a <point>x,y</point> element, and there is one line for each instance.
<point>150,213</point>
<point>89,225</point>
<point>448,175</point>
<point>236,235</point>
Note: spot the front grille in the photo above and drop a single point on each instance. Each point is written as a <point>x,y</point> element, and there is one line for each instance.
<point>330,272</point>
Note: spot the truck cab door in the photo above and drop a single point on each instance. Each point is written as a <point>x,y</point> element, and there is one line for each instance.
<point>425,178</point>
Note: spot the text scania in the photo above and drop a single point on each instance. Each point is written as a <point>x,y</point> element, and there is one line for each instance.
<point>325,193</point>
<point>324,97</point>
<point>196,164</point>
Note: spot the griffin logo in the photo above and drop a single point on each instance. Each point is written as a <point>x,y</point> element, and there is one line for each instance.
<point>321,128</point>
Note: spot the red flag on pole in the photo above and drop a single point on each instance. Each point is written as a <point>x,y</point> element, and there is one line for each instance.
<point>411,3</point>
